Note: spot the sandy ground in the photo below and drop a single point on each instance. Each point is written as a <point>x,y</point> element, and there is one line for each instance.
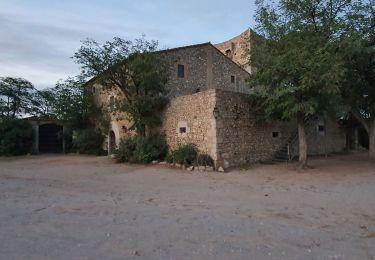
<point>77,207</point>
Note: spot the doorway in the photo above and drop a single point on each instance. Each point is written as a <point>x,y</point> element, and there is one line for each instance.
<point>50,138</point>
<point>111,142</point>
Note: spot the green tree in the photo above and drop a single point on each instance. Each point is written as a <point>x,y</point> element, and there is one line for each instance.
<point>16,136</point>
<point>358,53</point>
<point>45,100</point>
<point>296,60</point>
<point>18,97</point>
<point>132,68</point>
<point>73,104</point>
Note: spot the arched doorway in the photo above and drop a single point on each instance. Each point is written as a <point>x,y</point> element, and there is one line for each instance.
<point>50,138</point>
<point>111,142</point>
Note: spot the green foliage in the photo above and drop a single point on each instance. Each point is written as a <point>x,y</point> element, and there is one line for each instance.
<point>73,104</point>
<point>88,141</point>
<point>132,68</point>
<point>45,100</point>
<point>16,137</point>
<point>141,149</point>
<point>297,59</point>
<point>125,150</point>
<point>185,154</point>
<point>298,67</point>
<point>17,97</point>
<point>149,149</point>
<point>358,55</point>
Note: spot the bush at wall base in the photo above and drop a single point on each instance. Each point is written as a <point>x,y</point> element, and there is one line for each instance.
<point>16,137</point>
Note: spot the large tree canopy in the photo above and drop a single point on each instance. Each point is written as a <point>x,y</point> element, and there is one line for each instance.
<point>357,47</point>
<point>133,68</point>
<point>295,54</point>
<point>73,104</point>
<point>18,97</point>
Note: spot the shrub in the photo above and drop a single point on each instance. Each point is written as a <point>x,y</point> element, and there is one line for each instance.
<point>125,150</point>
<point>88,141</point>
<point>185,154</point>
<point>149,149</point>
<point>16,137</point>
<point>141,149</point>
<point>204,160</point>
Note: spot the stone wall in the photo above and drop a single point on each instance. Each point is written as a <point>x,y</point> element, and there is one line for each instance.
<point>227,75</point>
<point>329,139</point>
<point>194,59</point>
<point>237,49</point>
<point>205,68</point>
<point>241,138</point>
<point>118,120</point>
<point>195,114</point>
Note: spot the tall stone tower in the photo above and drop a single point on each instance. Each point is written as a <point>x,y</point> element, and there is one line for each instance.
<point>237,49</point>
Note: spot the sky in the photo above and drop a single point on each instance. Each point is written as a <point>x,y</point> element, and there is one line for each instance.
<point>39,37</point>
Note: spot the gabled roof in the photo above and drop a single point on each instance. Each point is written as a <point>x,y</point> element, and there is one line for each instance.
<point>209,44</point>
<point>184,47</point>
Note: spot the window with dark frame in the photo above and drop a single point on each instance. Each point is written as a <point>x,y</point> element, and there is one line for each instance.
<point>93,90</point>
<point>275,134</point>
<point>321,128</point>
<point>232,79</point>
<point>182,130</point>
<point>180,71</point>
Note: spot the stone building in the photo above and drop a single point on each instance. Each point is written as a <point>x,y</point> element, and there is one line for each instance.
<point>208,107</point>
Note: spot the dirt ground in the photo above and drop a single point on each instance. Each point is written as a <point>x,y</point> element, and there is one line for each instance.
<point>80,207</point>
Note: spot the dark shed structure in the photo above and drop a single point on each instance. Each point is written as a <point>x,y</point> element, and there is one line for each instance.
<point>48,135</point>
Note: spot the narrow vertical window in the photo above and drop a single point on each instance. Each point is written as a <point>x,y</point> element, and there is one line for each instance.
<point>180,71</point>
<point>232,79</point>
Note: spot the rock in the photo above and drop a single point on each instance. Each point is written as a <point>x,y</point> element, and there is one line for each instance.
<point>135,253</point>
<point>221,169</point>
<point>209,169</point>
<point>201,168</point>
<point>177,165</point>
<point>163,163</point>
<point>155,162</point>
<point>191,168</point>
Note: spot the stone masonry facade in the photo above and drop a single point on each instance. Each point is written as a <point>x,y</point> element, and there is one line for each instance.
<point>234,135</point>
<point>237,49</point>
<point>208,107</point>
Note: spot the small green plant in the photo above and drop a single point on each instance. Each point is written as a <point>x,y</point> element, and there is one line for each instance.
<point>185,154</point>
<point>125,150</point>
<point>141,149</point>
<point>16,137</point>
<point>88,141</point>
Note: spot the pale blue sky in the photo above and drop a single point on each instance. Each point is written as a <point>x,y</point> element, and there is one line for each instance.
<point>38,37</point>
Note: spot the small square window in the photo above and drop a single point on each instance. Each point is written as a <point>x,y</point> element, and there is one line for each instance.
<point>232,79</point>
<point>180,71</point>
<point>321,128</point>
<point>182,130</point>
<point>275,134</point>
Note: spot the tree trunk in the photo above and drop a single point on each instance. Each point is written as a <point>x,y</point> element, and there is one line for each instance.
<point>371,135</point>
<point>302,141</point>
